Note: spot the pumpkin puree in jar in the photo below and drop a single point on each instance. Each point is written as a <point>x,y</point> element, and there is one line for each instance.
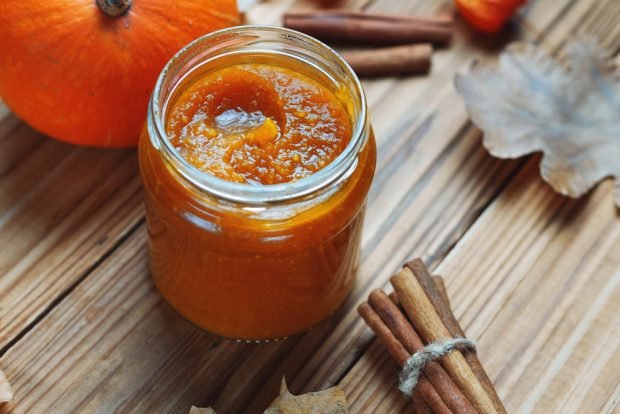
<point>259,124</point>
<point>252,272</point>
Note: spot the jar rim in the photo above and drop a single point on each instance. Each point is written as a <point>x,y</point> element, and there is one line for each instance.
<point>249,193</point>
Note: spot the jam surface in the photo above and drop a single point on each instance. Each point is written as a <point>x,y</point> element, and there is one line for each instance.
<point>258,124</point>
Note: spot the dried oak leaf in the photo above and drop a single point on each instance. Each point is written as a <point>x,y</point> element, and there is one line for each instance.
<point>6,393</point>
<point>196,410</point>
<point>330,401</point>
<point>569,110</point>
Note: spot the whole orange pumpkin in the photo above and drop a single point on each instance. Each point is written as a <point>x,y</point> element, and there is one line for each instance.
<point>82,71</point>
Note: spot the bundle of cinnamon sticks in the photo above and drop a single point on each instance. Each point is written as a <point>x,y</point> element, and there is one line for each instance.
<point>414,35</point>
<point>417,314</point>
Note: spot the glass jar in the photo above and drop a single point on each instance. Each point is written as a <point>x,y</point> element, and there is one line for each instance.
<point>249,261</point>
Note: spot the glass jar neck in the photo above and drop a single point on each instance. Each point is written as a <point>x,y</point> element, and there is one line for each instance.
<point>258,44</point>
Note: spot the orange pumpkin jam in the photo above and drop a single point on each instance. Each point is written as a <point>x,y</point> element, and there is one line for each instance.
<point>247,271</point>
<point>258,124</point>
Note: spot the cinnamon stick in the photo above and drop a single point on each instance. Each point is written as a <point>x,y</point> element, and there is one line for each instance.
<point>402,329</point>
<point>391,61</point>
<point>362,27</point>
<point>440,284</point>
<point>400,354</point>
<point>431,328</point>
<point>439,298</point>
<point>419,405</point>
<point>442,294</point>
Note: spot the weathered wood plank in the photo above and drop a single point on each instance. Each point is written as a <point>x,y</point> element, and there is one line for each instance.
<point>61,209</point>
<point>554,297</point>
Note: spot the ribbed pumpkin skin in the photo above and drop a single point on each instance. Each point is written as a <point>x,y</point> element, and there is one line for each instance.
<point>81,76</point>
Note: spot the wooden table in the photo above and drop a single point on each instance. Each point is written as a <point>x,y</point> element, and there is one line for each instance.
<point>534,277</point>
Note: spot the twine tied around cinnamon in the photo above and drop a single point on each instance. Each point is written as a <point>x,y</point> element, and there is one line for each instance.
<point>412,369</point>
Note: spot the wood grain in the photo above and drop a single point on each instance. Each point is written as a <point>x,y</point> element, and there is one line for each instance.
<point>531,275</point>
<point>558,290</point>
<point>61,209</point>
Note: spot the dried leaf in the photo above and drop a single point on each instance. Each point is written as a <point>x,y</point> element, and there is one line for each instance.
<point>570,111</point>
<point>6,393</point>
<point>196,410</point>
<point>330,401</point>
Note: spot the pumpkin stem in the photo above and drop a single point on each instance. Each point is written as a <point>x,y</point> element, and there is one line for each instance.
<point>114,7</point>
